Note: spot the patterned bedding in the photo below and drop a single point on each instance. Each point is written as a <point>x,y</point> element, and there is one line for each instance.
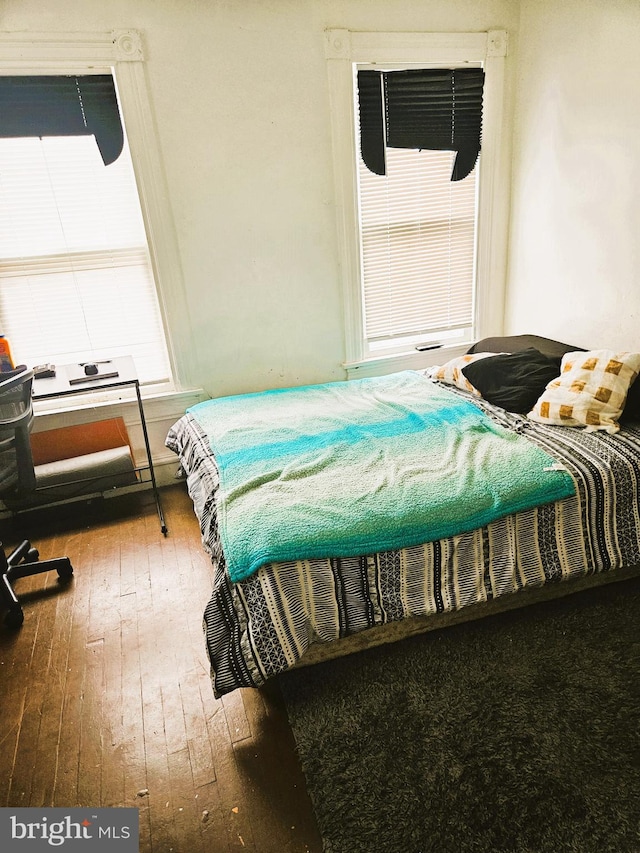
<point>263,625</point>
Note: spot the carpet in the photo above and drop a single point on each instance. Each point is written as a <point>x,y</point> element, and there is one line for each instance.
<point>518,733</point>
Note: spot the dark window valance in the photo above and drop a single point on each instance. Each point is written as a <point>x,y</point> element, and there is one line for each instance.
<point>438,109</point>
<point>33,105</point>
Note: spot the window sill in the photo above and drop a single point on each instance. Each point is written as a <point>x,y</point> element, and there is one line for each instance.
<point>158,405</point>
<point>404,361</point>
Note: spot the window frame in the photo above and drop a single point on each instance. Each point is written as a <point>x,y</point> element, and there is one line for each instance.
<point>120,53</point>
<point>345,51</point>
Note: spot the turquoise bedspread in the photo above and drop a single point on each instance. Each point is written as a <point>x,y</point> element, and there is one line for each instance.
<point>358,467</point>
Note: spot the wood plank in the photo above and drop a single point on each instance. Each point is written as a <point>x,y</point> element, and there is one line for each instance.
<point>239,728</point>
<point>236,815</point>
<point>65,791</point>
<point>192,691</point>
<point>59,631</point>
<point>91,716</point>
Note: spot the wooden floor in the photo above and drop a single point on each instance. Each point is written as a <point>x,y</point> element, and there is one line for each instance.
<point>106,698</point>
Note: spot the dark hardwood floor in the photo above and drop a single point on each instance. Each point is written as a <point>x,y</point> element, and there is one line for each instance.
<point>106,698</point>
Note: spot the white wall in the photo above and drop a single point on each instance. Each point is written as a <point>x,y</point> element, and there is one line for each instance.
<point>574,256</point>
<point>239,91</point>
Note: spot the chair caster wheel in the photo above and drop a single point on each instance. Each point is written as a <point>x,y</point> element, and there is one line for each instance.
<point>14,618</point>
<point>65,572</point>
<point>33,555</point>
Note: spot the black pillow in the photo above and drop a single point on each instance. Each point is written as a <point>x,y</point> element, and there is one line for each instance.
<point>518,343</point>
<point>513,381</point>
<point>631,410</point>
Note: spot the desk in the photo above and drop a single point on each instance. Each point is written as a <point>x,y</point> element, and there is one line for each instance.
<point>65,382</point>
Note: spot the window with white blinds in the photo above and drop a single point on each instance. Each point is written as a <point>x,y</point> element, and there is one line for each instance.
<point>76,281</point>
<point>418,247</point>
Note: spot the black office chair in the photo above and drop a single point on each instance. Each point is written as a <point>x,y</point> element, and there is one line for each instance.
<point>17,479</point>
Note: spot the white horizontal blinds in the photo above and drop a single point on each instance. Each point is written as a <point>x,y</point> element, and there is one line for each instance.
<point>418,245</point>
<point>76,282</point>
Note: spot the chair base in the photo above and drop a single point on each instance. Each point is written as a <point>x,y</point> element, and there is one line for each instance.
<point>21,563</point>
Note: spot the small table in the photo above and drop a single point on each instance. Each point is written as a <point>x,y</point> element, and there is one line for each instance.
<point>71,379</point>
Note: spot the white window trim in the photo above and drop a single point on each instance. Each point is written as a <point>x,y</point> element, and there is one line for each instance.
<point>120,52</point>
<point>344,48</point>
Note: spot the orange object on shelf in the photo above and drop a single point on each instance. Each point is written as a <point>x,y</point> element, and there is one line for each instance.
<point>6,359</point>
<point>53,445</point>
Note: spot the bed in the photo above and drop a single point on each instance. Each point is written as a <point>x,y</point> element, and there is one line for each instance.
<point>304,605</point>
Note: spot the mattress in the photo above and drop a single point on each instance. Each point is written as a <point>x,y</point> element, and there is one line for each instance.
<point>263,625</point>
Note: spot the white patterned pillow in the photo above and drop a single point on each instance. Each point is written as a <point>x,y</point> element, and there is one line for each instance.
<point>451,372</point>
<point>591,390</point>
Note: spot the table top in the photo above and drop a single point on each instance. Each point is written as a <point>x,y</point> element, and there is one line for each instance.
<point>71,378</point>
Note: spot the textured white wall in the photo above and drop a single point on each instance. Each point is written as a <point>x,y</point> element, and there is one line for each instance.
<point>239,91</point>
<point>574,257</point>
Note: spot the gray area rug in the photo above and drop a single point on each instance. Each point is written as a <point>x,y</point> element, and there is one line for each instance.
<point>519,733</point>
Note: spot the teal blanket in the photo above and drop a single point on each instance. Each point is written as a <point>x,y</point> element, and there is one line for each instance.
<point>358,467</point>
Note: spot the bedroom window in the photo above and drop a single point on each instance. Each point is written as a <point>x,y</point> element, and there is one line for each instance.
<point>422,255</point>
<point>108,279</point>
<point>418,242</point>
<point>76,282</point>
